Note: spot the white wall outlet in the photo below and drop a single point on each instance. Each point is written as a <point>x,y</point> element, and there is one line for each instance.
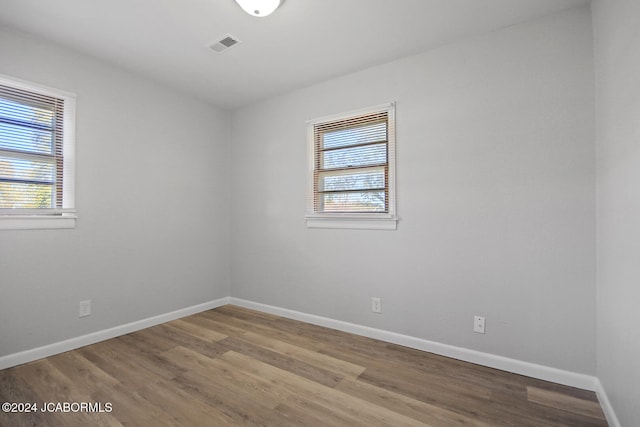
<point>376,305</point>
<point>84,309</point>
<point>478,324</point>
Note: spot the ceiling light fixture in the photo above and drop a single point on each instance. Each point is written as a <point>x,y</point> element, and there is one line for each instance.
<point>259,8</point>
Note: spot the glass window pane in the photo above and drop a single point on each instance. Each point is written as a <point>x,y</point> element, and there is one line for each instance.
<point>358,135</point>
<point>25,196</point>
<point>361,201</point>
<point>375,154</point>
<point>356,180</point>
<point>27,170</point>
<point>14,137</point>
<point>12,110</point>
<point>31,148</point>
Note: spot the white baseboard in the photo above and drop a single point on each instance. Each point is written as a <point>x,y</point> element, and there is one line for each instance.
<point>612,419</point>
<point>546,373</point>
<point>26,356</point>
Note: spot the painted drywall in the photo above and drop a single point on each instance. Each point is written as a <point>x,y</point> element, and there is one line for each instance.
<point>151,194</point>
<point>496,174</point>
<point>617,64</point>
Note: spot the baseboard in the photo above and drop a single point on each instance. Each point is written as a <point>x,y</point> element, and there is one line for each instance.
<point>546,373</point>
<point>26,356</point>
<point>612,419</point>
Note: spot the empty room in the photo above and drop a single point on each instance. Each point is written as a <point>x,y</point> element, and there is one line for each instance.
<point>319,212</point>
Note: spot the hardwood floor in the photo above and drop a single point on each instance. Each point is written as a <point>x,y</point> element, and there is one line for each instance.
<point>233,366</point>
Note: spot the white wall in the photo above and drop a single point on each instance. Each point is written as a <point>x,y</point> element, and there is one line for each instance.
<point>152,193</point>
<point>496,173</point>
<point>617,47</point>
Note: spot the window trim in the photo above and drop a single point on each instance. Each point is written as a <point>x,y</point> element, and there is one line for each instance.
<point>367,221</point>
<point>55,218</point>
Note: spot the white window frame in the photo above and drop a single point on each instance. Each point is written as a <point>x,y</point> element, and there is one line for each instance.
<point>33,219</point>
<point>368,221</point>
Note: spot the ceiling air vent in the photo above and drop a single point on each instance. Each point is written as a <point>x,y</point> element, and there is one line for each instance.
<point>225,43</point>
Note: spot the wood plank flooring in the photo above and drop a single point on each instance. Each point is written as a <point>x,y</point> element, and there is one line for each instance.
<point>234,366</point>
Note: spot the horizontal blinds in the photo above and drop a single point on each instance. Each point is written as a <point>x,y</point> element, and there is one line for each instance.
<point>31,150</point>
<point>351,165</point>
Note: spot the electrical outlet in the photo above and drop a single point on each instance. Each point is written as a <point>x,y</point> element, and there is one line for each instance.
<point>376,305</point>
<point>478,324</point>
<point>84,309</point>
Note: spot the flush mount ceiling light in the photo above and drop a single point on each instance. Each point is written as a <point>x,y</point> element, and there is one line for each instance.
<point>259,8</point>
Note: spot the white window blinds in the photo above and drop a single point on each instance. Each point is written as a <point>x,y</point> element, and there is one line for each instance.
<point>36,136</point>
<point>354,164</point>
<point>31,161</point>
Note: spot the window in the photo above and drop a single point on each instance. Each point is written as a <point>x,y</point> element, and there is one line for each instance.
<point>352,170</point>
<point>36,156</point>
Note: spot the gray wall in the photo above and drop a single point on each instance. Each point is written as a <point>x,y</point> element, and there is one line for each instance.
<point>617,47</point>
<point>496,173</point>
<point>151,193</point>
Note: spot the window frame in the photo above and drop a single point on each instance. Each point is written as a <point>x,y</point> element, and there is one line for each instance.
<point>353,220</point>
<point>58,217</point>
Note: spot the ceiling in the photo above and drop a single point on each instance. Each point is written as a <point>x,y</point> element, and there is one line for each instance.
<point>303,42</point>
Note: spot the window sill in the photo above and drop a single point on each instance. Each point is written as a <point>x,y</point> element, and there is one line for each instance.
<point>37,222</point>
<point>353,222</point>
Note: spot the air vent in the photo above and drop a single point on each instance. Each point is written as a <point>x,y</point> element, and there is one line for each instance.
<point>225,43</point>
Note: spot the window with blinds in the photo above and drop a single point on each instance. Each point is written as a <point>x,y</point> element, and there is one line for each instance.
<point>354,165</point>
<point>33,168</point>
